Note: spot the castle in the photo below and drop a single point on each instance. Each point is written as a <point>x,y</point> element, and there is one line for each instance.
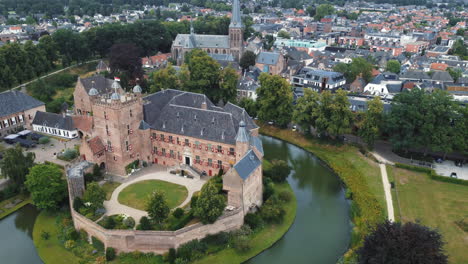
<point>169,128</point>
<point>232,44</point>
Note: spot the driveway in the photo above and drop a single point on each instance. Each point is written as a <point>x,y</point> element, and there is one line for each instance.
<point>447,167</point>
<point>114,207</point>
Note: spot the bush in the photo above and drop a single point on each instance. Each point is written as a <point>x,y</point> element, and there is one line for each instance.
<point>145,224</point>
<point>272,212</point>
<point>193,201</point>
<point>285,196</point>
<point>192,250</point>
<point>133,165</point>
<point>69,244</point>
<point>69,154</point>
<point>129,222</point>
<point>110,254</point>
<point>183,221</point>
<point>240,243</point>
<point>107,222</point>
<point>268,188</point>
<point>44,140</point>
<point>45,235</point>
<point>221,238</point>
<point>171,257</point>
<point>178,213</point>
<point>77,203</point>
<point>278,171</point>
<point>97,244</point>
<point>254,220</point>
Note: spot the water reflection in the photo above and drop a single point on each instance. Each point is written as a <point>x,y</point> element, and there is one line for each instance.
<point>320,233</point>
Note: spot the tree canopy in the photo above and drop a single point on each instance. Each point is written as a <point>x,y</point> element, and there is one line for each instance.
<point>157,207</point>
<point>372,124</point>
<point>47,186</point>
<point>358,66</point>
<point>393,242</point>
<point>247,59</point>
<point>323,10</point>
<point>274,100</point>
<point>210,204</point>
<point>94,195</point>
<point>393,66</point>
<point>15,164</point>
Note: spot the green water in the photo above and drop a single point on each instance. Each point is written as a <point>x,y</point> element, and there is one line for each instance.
<point>16,244</point>
<point>320,233</point>
<point>321,230</point>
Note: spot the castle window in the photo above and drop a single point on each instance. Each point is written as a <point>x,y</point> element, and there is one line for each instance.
<point>128,129</point>
<point>105,114</point>
<point>107,130</point>
<point>187,141</point>
<point>231,151</point>
<point>126,145</point>
<point>197,158</point>
<point>115,158</point>
<point>220,163</point>
<point>197,143</point>
<point>131,113</point>
<point>170,139</point>
<point>164,152</point>
<point>155,150</point>
<point>178,141</point>
<point>220,148</point>
<point>172,154</point>
<point>109,144</point>
<point>162,137</point>
<point>210,162</point>
<point>154,135</point>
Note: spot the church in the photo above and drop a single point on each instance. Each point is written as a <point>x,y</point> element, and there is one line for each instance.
<point>232,44</point>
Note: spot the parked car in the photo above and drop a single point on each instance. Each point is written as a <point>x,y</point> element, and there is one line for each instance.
<point>25,143</point>
<point>453,175</point>
<point>24,134</point>
<point>11,139</point>
<point>458,163</point>
<point>439,160</point>
<point>35,136</point>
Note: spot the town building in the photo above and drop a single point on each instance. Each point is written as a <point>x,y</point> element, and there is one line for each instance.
<point>318,80</point>
<point>17,111</point>
<point>58,125</point>
<point>218,44</point>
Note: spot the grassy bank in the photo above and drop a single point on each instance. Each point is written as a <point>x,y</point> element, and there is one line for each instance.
<point>4,212</point>
<point>261,240</point>
<point>435,204</point>
<point>109,188</point>
<point>360,175</point>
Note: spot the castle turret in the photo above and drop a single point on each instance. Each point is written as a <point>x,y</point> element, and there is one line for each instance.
<point>242,141</point>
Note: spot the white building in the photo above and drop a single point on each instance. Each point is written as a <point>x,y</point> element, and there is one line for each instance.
<point>54,125</point>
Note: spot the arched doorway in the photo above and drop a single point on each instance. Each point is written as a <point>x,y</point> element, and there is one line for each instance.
<point>80,134</point>
<point>102,166</point>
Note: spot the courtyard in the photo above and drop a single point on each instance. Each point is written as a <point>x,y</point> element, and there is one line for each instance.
<point>130,197</point>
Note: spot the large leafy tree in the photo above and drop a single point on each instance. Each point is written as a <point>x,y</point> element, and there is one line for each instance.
<point>324,10</point>
<point>341,115</point>
<point>274,100</point>
<point>408,243</point>
<point>95,195</point>
<point>247,60</point>
<point>164,79</point>
<point>47,186</point>
<point>15,164</point>
<point>358,66</point>
<point>393,66</point>
<point>157,207</point>
<point>210,204</point>
<point>249,105</point>
<point>227,85</point>
<point>125,61</point>
<point>305,110</point>
<point>372,123</point>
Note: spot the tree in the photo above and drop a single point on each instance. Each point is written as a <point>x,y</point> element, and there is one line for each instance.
<point>455,73</point>
<point>15,164</point>
<point>249,105</point>
<point>283,34</point>
<point>125,61</point>
<point>461,32</point>
<point>47,186</point>
<point>305,109</point>
<point>274,100</point>
<point>311,11</point>
<point>323,10</point>
<point>164,79</point>
<point>279,171</point>
<point>247,60</point>
<point>370,129</point>
<point>228,79</point>
<point>393,66</point>
<point>341,116</point>
<point>157,207</point>
<point>210,204</point>
<point>393,242</point>
<point>358,66</point>
<point>94,195</point>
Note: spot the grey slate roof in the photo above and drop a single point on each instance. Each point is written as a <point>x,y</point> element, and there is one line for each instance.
<point>268,58</point>
<point>236,21</point>
<point>53,120</point>
<point>101,83</point>
<point>257,143</point>
<point>442,76</point>
<point>14,101</point>
<point>415,75</point>
<point>247,164</point>
<point>180,113</point>
<point>201,41</point>
<point>242,135</point>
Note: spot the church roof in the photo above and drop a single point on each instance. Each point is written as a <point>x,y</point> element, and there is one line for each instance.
<point>201,41</point>
<point>236,21</point>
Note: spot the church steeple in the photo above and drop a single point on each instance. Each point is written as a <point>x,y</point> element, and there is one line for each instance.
<point>236,21</point>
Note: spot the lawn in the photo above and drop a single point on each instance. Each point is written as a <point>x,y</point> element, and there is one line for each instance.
<point>261,240</point>
<point>51,250</point>
<point>4,212</point>
<point>109,188</point>
<point>136,195</point>
<point>360,175</point>
<point>435,204</point>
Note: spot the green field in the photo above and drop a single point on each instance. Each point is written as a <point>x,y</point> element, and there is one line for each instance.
<point>109,188</point>
<point>136,195</point>
<point>261,240</point>
<point>435,204</point>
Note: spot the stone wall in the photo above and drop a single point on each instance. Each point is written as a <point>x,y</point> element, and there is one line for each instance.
<point>156,241</point>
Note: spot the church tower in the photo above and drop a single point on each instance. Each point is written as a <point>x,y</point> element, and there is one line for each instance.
<point>236,31</point>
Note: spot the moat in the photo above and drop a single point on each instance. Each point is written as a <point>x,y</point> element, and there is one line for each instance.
<point>320,233</point>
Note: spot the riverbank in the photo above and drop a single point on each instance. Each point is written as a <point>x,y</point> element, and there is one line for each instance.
<point>360,175</point>
<point>12,204</point>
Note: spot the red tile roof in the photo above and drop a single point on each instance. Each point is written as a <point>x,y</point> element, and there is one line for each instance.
<point>96,146</point>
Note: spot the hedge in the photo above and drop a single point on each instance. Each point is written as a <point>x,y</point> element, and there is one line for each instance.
<point>432,174</point>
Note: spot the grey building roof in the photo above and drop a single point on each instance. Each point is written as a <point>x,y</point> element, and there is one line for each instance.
<point>181,113</point>
<point>257,143</point>
<point>101,84</point>
<point>77,171</point>
<point>441,76</point>
<point>14,101</point>
<point>242,135</point>
<point>53,120</point>
<point>247,164</point>
<point>414,75</point>
<point>319,75</point>
<point>201,41</point>
<point>269,58</point>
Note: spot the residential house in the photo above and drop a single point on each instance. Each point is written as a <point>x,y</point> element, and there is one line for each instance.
<point>270,62</point>
<point>59,125</point>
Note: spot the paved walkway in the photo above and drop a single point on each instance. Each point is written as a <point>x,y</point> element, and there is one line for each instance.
<point>114,207</point>
<point>386,185</point>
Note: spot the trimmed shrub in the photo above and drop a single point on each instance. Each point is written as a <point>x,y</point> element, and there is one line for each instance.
<point>107,222</point>
<point>253,220</point>
<point>97,244</point>
<point>129,222</point>
<point>178,213</point>
<point>192,250</point>
<point>193,200</point>
<point>45,235</point>
<point>145,224</point>
<point>69,154</point>
<point>44,140</point>
<point>221,238</point>
<point>285,196</point>
<point>171,257</point>
<point>110,253</point>
<point>268,188</point>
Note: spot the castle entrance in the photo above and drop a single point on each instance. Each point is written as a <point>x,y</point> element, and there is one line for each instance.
<point>187,160</point>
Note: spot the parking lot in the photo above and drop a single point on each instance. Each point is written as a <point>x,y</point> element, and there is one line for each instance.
<point>447,167</point>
